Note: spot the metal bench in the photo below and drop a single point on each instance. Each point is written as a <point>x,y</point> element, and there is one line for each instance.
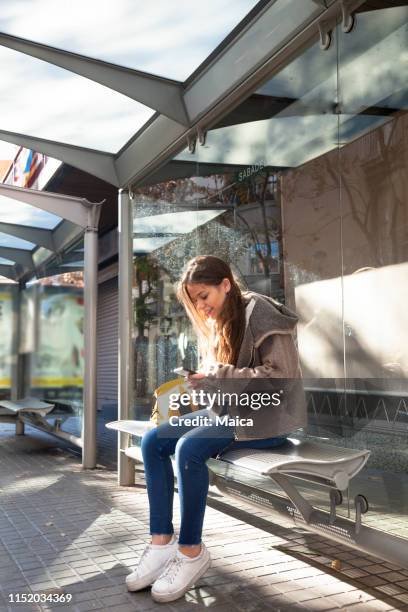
<point>11,411</point>
<point>297,463</point>
<point>321,464</point>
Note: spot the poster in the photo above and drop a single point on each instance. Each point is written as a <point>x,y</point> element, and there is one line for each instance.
<point>6,338</point>
<point>59,361</point>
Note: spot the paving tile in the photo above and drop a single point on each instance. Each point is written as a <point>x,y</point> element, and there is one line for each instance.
<point>372,581</point>
<point>402,597</point>
<point>279,567</point>
<point>393,576</point>
<point>373,606</point>
<point>390,589</point>
<point>92,604</point>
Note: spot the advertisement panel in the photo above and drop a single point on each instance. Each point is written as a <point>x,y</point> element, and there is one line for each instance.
<point>6,337</point>
<point>59,360</point>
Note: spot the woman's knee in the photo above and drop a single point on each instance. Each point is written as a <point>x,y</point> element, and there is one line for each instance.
<point>149,443</point>
<point>187,450</point>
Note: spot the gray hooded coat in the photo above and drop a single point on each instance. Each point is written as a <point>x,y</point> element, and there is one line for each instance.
<point>268,362</point>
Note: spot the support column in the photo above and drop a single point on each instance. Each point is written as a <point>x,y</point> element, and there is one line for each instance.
<point>90,307</point>
<point>17,372</point>
<point>126,471</point>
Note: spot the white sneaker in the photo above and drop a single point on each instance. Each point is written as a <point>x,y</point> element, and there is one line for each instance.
<point>180,574</point>
<point>151,564</point>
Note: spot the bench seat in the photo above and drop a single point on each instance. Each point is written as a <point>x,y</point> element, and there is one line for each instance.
<point>26,404</point>
<point>324,464</point>
<point>133,428</point>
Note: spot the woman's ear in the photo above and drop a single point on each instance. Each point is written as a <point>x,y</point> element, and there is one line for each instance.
<point>226,283</point>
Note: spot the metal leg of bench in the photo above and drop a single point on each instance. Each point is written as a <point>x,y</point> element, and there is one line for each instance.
<point>367,539</point>
<point>304,507</point>
<point>19,428</point>
<point>126,465</point>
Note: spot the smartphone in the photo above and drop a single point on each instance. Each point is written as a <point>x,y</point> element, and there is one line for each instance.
<point>184,371</point>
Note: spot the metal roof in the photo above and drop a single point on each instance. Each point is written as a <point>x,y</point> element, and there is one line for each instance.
<point>92,96</point>
<point>30,231</point>
<point>117,89</point>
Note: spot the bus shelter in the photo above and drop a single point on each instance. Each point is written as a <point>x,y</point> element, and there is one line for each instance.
<point>124,121</point>
<point>270,133</point>
<point>37,227</point>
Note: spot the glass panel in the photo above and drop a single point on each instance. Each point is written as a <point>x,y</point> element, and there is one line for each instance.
<point>280,22</point>
<point>18,213</point>
<point>73,261</point>
<point>220,214</point>
<point>6,262</point>
<point>41,255</point>
<point>300,100</point>
<point>309,172</point>
<point>15,243</point>
<point>53,346</point>
<point>188,31</point>
<point>8,348</point>
<point>374,194</point>
<point>59,105</point>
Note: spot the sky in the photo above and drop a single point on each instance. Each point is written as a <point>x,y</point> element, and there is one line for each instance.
<point>164,38</point>
<point>7,151</point>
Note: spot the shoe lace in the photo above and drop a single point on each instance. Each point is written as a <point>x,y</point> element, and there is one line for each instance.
<point>145,553</point>
<point>172,568</point>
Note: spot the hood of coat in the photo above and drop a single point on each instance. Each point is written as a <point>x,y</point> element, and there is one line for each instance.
<point>267,317</point>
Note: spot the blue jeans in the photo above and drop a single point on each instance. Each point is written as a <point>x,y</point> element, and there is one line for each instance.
<point>192,447</point>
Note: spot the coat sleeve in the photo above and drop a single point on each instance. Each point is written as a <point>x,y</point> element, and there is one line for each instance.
<point>279,359</point>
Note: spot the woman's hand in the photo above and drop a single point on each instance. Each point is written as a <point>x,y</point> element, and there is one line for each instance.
<point>194,378</point>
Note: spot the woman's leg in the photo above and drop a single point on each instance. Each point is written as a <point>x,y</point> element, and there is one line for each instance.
<point>192,451</point>
<point>159,476</point>
<point>157,446</point>
<point>193,447</point>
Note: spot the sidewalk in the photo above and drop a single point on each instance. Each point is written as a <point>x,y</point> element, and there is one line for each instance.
<point>68,531</point>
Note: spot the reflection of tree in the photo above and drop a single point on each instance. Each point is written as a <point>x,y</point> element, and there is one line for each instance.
<point>242,234</point>
<point>146,275</point>
<point>146,279</point>
<point>248,229</point>
<point>367,178</point>
<point>261,235</point>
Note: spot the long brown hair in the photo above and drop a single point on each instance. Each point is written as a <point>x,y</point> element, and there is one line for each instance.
<point>230,326</point>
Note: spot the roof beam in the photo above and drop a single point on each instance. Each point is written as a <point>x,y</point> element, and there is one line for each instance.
<point>160,94</point>
<point>231,76</point>
<point>8,272</point>
<point>65,234</point>
<point>98,163</point>
<point>20,256</point>
<point>39,236</point>
<point>76,210</point>
<point>150,148</point>
<point>242,63</point>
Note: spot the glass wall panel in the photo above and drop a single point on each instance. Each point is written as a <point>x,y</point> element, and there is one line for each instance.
<point>374,196</point>
<point>53,346</point>
<point>126,32</point>
<point>305,185</point>
<point>8,335</point>
<point>230,214</point>
<point>57,104</point>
